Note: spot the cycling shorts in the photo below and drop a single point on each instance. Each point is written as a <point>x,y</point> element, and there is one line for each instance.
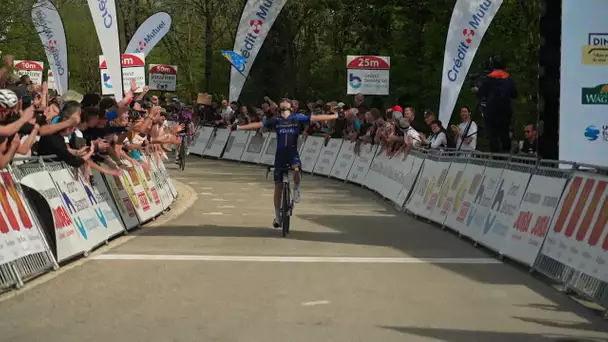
<point>284,159</point>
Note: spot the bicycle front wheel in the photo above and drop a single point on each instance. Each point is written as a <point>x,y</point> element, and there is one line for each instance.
<point>286,209</point>
<point>182,156</point>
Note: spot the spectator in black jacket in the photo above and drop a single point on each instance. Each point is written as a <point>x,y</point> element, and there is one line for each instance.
<point>498,90</point>
<point>56,143</point>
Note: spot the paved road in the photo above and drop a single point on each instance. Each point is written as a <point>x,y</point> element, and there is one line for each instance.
<point>378,275</point>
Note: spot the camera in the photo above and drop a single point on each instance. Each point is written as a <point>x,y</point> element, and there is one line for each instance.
<point>477,78</point>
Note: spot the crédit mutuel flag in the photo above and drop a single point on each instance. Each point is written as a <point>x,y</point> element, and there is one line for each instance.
<point>256,21</point>
<point>470,21</point>
<point>149,33</point>
<point>50,29</point>
<point>106,25</point>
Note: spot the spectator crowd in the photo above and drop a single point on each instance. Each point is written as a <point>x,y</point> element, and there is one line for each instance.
<point>94,132</point>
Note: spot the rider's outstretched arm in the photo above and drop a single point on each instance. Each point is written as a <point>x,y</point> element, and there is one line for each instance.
<point>324,117</point>
<point>251,126</point>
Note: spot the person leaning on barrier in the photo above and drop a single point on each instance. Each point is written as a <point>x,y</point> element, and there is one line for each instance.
<point>54,144</point>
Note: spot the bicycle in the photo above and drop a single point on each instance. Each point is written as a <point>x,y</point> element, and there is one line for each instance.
<point>182,151</point>
<point>287,204</point>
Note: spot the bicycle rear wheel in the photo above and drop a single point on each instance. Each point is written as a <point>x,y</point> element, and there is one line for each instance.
<point>286,209</point>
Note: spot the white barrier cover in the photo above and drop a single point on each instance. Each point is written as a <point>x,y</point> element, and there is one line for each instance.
<point>125,204</point>
<point>253,152</point>
<point>69,240</point>
<point>163,170</point>
<point>344,160</point>
<point>429,182</point>
<point>216,143</point>
<point>327,157</point>
<point>301,141</point>
<point>270,149</point>
<point>19,235</point>
<point>103,205</point>
<point>362,164</point>
<point>134,188</point>
<point>412,166</point>
<point>531,224</point>
<point>578,236</point>
<point>150,190</point>
<point>482,202</point>
<point>396,176</point>
<point>91,223</point>
<point>166,197</point>
<point>457,218</point>
<point>503,210</point>
<point>310,154</point>
<point>236,145</point>
<point>374,178</point>
<point>443,168</point>
<point>201,138</point>
<point>449,189</point>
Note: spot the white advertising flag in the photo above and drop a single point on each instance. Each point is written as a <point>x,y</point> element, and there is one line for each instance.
<point>256,21</point>
<point>149,33</point>
<point>106,24</point>
<point>50,29</point>
<point>470,21</point>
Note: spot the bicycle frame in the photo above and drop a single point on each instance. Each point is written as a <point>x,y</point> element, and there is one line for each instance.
<point>286,206</point>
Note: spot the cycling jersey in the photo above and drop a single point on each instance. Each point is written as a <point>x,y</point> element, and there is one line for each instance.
<point>288,131</point>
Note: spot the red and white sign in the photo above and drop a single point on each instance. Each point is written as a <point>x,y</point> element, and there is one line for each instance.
<point>31,68</point>
<point>577,236</point>
<point>368,75</point>
<point>163,77</point>
<point>133,68</point>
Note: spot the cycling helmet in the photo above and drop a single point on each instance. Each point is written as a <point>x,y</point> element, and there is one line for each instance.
<point>8,98</point>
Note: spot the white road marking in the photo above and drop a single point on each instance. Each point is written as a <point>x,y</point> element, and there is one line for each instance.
<point>215,213</point>
<point>205,193</point>
<point>192,183</point>
<point>226,206</point>
<point>318,302</point>
<point>206,188</point>
<point>353,260</point>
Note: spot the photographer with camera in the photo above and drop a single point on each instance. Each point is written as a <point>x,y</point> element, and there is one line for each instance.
<point>497,91</point>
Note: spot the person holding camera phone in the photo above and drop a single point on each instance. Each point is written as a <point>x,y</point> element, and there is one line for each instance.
<point>466,131</point>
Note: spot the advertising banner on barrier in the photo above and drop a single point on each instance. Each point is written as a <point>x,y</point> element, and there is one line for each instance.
<point>310,154</point>
<point>81,204</point>
<point>142,200</point>
<point>149,33</point>
<point>578,235</point>
<point>530,225</point>
<point>482,203</point>
<point>463,201</point>
<point>125,202</point>
<point>269,150</point>
<point>253,152</point>
<point>150,190</point>
<point>469,23</point>
<point>19,235</point>
<point>200,140</point>
<point>433,203</point>
<point>425,196</point>
<point>236,145</point>
<point>503,209</point>
<point>374,178</point>
<point>69,241</point>
<point>396,176</point>
<point>344,161</point>
<point>449,190</point>
<point>413,163</point>
<point>327,157</point>
<point>216,143</point>
<point>167,178</point>
<point>50,29</point>
<point>363,161</point>
<point>166,197</point>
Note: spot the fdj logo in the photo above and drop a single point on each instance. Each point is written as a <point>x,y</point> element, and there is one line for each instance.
<point>354,81</point>
<point>469,33</point>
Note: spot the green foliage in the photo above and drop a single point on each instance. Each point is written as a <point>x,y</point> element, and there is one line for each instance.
<point>304,55</point>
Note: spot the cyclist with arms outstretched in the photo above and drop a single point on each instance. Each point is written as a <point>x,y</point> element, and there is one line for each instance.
<point>287,127</point>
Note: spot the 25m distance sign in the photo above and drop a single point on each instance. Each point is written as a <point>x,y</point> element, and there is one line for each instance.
<point>368,75</point>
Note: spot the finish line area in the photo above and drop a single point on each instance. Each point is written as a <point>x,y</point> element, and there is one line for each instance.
<point>352,269</point>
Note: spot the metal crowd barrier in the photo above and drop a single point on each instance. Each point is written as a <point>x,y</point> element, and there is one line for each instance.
<point>571,278</point>
<point>15,273</point>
